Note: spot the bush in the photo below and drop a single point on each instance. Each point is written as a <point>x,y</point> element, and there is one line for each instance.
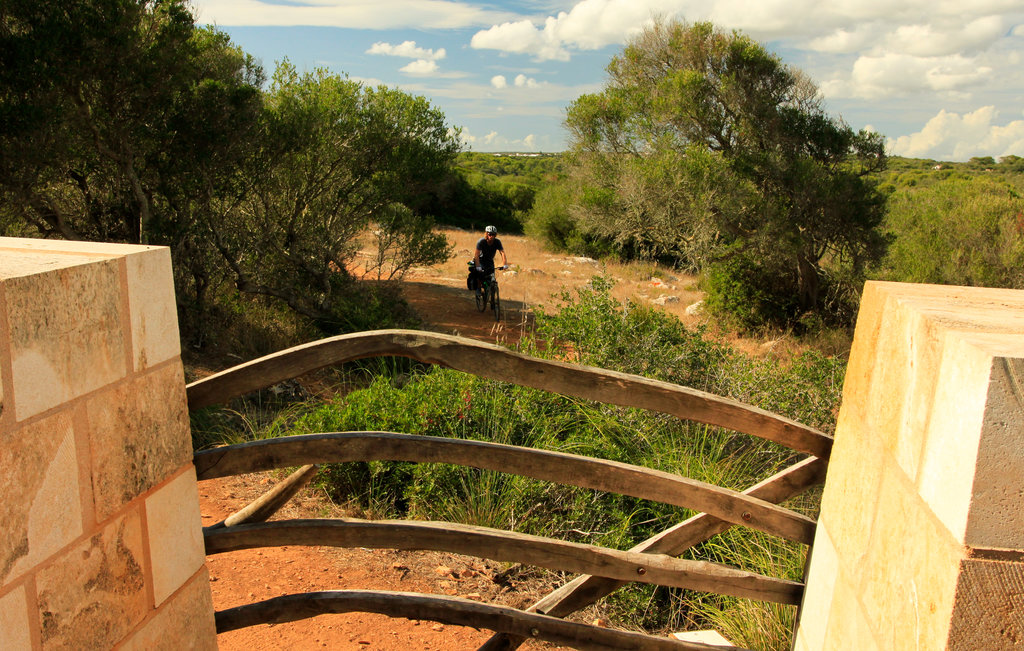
<point>750,295</point>
<point>959,230</point>
<point>549,220</point>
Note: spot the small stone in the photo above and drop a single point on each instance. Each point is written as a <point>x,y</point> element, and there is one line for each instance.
<point>600,623</point>
<point>437,627</point>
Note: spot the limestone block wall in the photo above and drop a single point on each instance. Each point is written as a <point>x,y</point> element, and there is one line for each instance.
<point>920,543</point>
<point>100,533</point>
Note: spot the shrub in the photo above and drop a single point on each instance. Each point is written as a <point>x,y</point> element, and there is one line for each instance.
<point>960,230</point>
<point>750,295</point>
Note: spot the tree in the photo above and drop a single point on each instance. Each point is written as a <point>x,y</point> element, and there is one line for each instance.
<point>336,158</point>
<point>704,147</point>
<point>93,97</point>
<point>122,121</point>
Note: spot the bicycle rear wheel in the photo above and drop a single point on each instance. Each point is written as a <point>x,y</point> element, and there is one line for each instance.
<point>496,302</point>
<point>481,296</point>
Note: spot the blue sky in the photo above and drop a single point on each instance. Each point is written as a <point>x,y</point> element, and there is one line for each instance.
<point>940,79</point>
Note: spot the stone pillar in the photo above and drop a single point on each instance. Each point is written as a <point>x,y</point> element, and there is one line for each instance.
<point>100,532</point>
<point>920,543</point>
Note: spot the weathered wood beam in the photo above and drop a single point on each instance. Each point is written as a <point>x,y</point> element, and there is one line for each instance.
<point>495,362</point>
<point>507,546</point>
<point>447,610</point>
<point>559,467</point>
<point>586,590</point>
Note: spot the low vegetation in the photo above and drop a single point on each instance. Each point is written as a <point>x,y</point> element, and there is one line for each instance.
<point>956,224</point>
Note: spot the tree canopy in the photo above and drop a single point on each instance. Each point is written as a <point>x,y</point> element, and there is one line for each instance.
<point>121,120</point>
<point>705,148</point>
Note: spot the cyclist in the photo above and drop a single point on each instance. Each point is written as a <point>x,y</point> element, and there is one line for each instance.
<point>488,245</point>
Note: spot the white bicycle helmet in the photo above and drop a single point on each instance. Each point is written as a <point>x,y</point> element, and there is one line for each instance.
<point>491,229</point>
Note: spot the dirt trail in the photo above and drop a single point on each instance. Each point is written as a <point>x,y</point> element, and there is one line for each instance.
<point>536,278</point>
<point>440,296</point>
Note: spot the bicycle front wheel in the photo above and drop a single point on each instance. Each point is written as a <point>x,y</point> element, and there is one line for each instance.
<point>496,302</point>
<point>481,296</point>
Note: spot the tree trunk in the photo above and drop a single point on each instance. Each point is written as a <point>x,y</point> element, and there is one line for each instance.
<point>809,282</point>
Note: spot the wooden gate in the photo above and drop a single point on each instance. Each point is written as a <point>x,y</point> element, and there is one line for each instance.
<point>602,570</point>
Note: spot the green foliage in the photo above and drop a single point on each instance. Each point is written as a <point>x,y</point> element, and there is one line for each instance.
<point>748,293</point>
<point>337,158</point>
<point>749,624</point>
<point>600,331</point>
<point>549,220</point>
<point>633,338</point>
<point>122,121</point>
<point>90,148</point>
<point>960,229</point>
<point>492,189</point>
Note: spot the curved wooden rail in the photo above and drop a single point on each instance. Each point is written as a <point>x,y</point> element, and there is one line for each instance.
<point>495,362</point>
<point>559,467</point>
<point>507,546</point>
<point>586,589</point>
<point>447,610</point>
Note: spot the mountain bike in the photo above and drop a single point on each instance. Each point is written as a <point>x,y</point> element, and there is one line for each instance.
<point>487,293</point>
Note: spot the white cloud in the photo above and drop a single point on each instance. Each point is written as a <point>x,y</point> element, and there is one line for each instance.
<point>945,37</point>
<point>379,14</point>
<point>527,82</point>
<point>519,37</point>
<point>495,141</point>
<point>950,136</point>
<point>920,27</point>
<point>407,49</point>
<point>891,74</point>
<point>420,67</point>
<point>842,40</point>
<point>520,81</point>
